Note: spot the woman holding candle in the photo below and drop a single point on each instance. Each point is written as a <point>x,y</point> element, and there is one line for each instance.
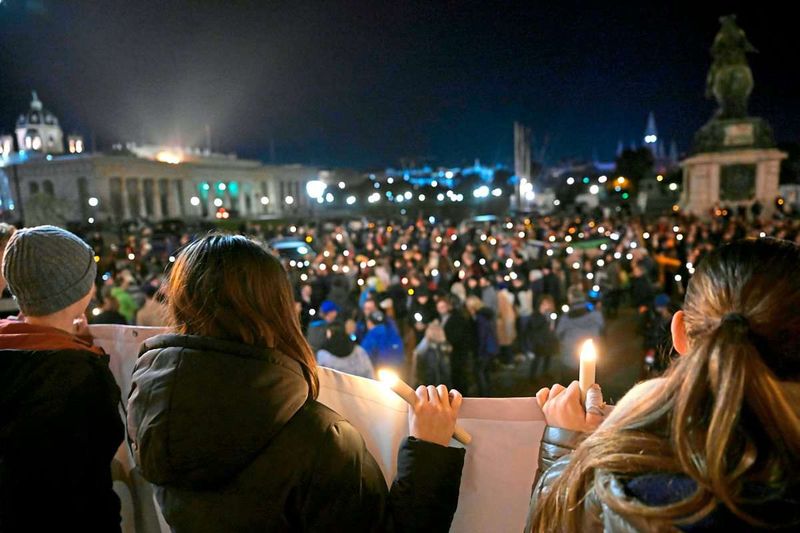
<point>715,443</point>
<point>224,418</point>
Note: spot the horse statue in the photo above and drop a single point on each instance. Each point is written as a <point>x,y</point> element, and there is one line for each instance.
<point>730,80</point>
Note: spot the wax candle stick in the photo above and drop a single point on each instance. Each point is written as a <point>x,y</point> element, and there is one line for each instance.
<point>588,368</point>
<point>402,389</point>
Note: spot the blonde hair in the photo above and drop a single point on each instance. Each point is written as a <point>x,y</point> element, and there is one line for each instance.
<point>723,415</point>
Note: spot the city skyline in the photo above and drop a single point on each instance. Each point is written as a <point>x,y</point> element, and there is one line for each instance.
<point>353,87</point>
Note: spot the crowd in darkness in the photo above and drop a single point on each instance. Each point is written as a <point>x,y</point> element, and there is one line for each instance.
<point>223,409</point>
<point>449,302</point>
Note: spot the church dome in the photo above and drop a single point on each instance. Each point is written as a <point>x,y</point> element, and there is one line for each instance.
<point>38,129</point>
<point>36,115</point>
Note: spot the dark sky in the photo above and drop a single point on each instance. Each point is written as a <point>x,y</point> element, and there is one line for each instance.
<point>366,83</point>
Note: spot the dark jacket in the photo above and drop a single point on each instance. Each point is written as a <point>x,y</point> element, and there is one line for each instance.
<point>487,334</point>
<point>229,437</point>
<point>60,427</point>
<point>656,489</point>
<point>543,339</point>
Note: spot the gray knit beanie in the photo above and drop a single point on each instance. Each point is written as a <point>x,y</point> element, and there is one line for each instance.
<point>48,269</point>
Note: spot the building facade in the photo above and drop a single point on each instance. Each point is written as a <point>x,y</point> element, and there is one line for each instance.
<point>135,182</point>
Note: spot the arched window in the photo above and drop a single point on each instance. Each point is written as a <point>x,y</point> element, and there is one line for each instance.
<point>47,186</point>
<point>33,187</point>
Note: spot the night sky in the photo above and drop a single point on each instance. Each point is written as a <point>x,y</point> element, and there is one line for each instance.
<point>367,83</point>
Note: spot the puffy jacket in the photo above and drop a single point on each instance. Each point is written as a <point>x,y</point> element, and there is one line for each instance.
<point>232,442</point>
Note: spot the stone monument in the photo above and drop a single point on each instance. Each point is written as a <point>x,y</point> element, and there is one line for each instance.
<point>734,159</point>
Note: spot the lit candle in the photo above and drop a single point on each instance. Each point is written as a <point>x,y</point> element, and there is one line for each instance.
<point>402,389</point>
<point>588,367</point>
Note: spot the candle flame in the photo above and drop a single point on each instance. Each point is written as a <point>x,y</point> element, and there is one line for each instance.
<point>388,377</point>
<point>588,351</point>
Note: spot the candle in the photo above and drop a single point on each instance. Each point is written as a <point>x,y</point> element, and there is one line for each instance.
<point>402,389</point>
<point>588,367</point>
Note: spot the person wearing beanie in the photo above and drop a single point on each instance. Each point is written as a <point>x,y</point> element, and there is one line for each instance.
<point>328,313</point>
<point>59,423</point>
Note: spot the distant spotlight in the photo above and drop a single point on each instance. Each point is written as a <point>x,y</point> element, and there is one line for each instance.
<point>93,201</point>
<point>195,201</point>
<point>264,200</point>
<point>570,181</point>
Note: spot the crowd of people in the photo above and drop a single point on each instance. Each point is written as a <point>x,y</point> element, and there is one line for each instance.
<point>454,302</point>
<point>223,417</point>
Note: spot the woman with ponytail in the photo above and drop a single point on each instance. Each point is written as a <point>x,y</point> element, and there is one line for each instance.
<point>713,444</point>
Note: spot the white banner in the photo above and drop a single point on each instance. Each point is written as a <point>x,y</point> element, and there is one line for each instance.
<point>500,462</point>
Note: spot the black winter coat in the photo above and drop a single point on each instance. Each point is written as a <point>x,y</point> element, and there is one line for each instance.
<point>60,427</point>
<point>229,437</point>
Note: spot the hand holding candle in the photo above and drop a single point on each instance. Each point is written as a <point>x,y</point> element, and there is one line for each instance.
<point>588,368</point>
<point>402,389</point>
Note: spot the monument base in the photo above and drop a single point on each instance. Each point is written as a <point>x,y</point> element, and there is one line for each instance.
<point>731,178</point>
<point>721,135</point>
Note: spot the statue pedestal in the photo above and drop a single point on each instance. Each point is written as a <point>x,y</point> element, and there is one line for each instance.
<point>731,178</point>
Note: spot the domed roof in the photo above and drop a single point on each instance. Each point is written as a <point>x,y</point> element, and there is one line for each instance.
<point>36,115</point>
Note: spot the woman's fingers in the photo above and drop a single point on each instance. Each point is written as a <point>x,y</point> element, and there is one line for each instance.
<point>433,395</point>
<point>455,401</point>
<point>444,394</point>
<point>422,393</point>
<point>594,406</point>
<point>542,395</point>
<point>555,390</point>
<point>573,390</point>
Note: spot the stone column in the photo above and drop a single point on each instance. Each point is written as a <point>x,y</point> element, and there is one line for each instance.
<point>157,214</point>
<point>126,205</point>
<point>142,206</point>
<point>173,199</point>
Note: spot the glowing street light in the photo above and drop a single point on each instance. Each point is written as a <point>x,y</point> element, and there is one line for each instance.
<point>264,200</point>
<point>352,199</point>
<point>315,189</point>
<point>195,201</point>
<point>93,201</point>
<point>481,192</point>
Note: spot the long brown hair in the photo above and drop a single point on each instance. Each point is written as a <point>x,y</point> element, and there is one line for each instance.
<point>230,287</point>
<point>725,414</point>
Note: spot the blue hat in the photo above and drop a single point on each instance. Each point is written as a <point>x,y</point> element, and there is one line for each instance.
<point>662,300</point>
<point>328,306</point>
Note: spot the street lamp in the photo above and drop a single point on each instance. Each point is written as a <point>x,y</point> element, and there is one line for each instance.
<point>315,189</point>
